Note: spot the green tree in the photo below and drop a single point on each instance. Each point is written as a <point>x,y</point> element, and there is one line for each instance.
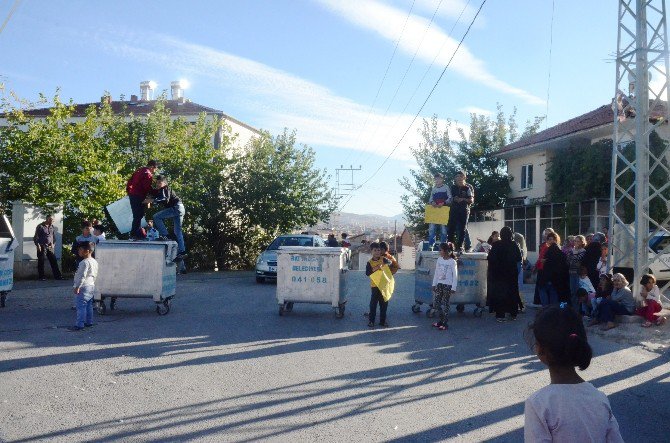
<point>235,200</point>
<point>433,155</point>
<point>472,152</point>
<point>284,188</point>
<point>580,172</point>
<point>475,155</point>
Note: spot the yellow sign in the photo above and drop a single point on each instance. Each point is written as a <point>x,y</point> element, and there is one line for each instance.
<point>438,216</point>
<point>384,280</point>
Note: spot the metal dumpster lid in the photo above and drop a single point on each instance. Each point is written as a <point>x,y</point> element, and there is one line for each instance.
<point>137,243</point>
<point>6,230</point>
<point>474,255</point>
<point>465,255</point>
<point>312,250</point>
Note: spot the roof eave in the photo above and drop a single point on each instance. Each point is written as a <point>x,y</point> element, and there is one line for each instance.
<point>538,146</point>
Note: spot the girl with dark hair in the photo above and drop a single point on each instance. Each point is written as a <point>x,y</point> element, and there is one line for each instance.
<point>575,258</point>
<point>503,283</point>
<point>444,282</point>
<point>569,409</point>
<point>593,252</point>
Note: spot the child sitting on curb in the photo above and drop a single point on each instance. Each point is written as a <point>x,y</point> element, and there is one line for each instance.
<point>651,302</point>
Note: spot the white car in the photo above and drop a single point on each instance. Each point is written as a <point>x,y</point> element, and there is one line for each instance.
<point>266,263</point>
<point>659,243</point>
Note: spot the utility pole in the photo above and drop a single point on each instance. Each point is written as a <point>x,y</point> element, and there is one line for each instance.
<point>344,179</point>
<point>638,208</point>
<point>395,236</point>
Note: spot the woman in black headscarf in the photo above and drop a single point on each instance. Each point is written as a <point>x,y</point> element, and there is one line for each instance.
<point>503,284</point>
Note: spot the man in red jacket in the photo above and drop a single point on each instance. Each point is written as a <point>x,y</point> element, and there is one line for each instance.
<point>137,188</point>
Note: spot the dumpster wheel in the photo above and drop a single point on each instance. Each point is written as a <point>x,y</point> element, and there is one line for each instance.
<point>340,311</point>
<point>101,308</point>
<point>163,308</point>
<point>416,308</point>
<point>3,299</point>
<point>478,312</point>
<point>289,306</point>
<point>282,309</point>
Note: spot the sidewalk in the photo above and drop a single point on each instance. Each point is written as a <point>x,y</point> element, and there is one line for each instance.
<point>629,331</point>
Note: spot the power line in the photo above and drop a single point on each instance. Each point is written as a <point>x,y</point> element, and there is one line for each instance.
<point>551,45</point>
<point>395,94</point>
<point>9,16</point>
<point>467,31</point>
<point>425,74</point>
<point>374,102</point>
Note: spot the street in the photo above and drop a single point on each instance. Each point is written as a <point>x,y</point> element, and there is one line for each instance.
<point>224,366</point>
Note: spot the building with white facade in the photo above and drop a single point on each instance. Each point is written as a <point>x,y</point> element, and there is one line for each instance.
<point>529,209</point>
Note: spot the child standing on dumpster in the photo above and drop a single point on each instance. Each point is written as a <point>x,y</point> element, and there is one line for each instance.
<point>84,285</point>
<point>444,283</point>
<point>569,409</point>
<point>377,263</point>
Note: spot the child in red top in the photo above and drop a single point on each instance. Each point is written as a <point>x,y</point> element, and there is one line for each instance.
<point>651,302</point>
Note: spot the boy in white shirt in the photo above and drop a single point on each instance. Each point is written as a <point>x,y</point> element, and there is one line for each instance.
<point>84,285</point>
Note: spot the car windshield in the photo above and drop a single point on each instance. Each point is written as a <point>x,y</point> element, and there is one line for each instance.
<point>291,241</point>
<point>659,243</point>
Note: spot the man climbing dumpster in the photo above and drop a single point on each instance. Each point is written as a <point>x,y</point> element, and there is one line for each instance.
<point>137,188</point>
<point>174,209</point>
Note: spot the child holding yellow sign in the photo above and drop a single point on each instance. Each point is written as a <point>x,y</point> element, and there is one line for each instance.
<point>437,210</point>
<point>381,284</point>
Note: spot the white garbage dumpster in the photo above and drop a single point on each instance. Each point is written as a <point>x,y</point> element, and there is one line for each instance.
<point>471,288</point>
<point>312,275</point>
<point>7,245</point>
<point>136,269</point>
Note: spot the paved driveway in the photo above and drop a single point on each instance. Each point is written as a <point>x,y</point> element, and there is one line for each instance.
<point>223,366</point>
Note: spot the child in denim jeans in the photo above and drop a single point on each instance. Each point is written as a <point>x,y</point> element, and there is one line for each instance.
<point>84,285</point>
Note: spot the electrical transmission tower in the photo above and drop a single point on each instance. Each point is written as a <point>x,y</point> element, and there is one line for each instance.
<point>640,189</point>
<point>344,179</point>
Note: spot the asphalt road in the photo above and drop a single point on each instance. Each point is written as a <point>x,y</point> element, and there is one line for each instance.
<point>223,366</point>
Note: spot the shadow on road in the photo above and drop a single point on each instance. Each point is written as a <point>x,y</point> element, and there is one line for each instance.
<point>214,324</point>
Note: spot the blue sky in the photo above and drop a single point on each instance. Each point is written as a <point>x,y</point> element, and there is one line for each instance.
<point>316,65</point>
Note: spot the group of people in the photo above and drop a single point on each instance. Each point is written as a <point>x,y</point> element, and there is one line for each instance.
<point>145,188</point>
<point>459,197</point>
<point>574,273</point>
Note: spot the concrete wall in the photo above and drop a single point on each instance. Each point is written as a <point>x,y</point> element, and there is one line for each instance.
<point>407,258</point>
<point>25,219</point>
<point>243,134</point>
<point>539,189</point>
<point>483,229</point>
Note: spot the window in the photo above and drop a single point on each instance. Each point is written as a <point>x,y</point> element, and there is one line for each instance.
<point>527,177</point>
<point>521,219</point>
<point>554,216</point>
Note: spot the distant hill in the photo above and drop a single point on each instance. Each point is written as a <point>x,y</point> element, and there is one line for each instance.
<point>347,220</point>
